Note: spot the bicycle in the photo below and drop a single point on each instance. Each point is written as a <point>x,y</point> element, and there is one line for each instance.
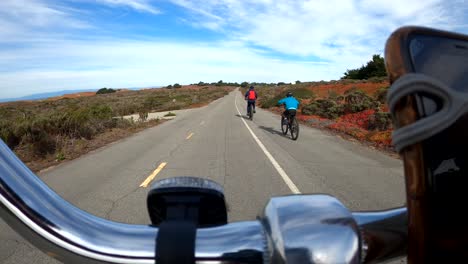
<point>250,113</point>
<point>290,124</point>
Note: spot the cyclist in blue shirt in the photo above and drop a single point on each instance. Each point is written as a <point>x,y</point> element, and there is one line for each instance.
<point>290,105</point>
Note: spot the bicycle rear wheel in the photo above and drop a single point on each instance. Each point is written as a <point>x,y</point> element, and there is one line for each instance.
<point>294,129</point>
<point>284,125</point>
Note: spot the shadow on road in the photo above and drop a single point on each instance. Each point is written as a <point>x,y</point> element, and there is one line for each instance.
<point>245,117</point>
<point>272,131</point>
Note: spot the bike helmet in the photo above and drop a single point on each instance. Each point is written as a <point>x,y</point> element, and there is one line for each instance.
<point>289,94</point>
<point>251,87</point>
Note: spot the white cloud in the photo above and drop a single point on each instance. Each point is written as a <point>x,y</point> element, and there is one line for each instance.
<point>77,64</point>
<point>139,5</point>
<point>31,20</point>
<point>36,14</point>
<point>339,31</point>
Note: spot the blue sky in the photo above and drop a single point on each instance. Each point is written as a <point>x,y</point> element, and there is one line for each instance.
<point>48,45</point>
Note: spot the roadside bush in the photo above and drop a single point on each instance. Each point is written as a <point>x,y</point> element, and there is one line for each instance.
<point>380,121</point>
<point>357,101</point>
<point>100,112</point>
<point>323,107</point>
<point>381,95</point>
<point>301,93</point>
<point>152,102</point>
<point>333,95</point>
<point>33,133</point>
<point>42,143</point>
<point>143,115</point>
<point>106,91</point>
<point>271,102</point>
<point>7,134</point>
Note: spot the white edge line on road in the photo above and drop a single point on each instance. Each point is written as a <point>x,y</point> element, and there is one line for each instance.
<point>275,164</point>
<point>189,136</point>
<point>153,175</point>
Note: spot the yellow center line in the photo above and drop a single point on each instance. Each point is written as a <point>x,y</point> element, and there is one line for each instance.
<point>153,175</point>
<point>189,136</point>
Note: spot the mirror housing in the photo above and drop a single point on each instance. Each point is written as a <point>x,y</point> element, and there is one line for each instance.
<point>187,198</point>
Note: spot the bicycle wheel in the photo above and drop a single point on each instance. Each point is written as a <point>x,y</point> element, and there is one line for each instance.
<point>284,125</point>
<point>294,129</point>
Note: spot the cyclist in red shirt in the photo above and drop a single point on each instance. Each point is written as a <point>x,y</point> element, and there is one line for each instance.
<point>251,97</point>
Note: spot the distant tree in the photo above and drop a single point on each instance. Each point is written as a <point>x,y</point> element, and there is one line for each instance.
<point>176,85</point>
<point>219,83</point>
<point>105,91</point>
<point>201,83</point>
<point>169,86</point>
<point>244,84</point>
<point>298,82</point>
<point>281,83</point>
<point>373,68</point>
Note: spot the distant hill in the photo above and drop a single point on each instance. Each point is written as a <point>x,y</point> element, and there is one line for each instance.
<point>45,95</point>
<point>56,94</point>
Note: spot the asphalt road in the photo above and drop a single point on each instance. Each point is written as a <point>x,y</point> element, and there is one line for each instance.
<point>214,142</point>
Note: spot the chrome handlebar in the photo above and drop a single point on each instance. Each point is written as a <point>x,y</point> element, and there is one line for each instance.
<point>293,229</point>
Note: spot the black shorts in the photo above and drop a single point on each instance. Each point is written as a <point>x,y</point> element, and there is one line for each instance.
<point>289,113</point>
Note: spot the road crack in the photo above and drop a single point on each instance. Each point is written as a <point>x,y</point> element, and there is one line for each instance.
<point>115,203</point>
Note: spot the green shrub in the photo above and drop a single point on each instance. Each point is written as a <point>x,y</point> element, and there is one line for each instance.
<point>327,108</point>
<point>357,101</point>
<point>333,95</point>
<point>176,85</point>
<point>302,93</point>
<point>381,95</point>
<point>152,102</point>
<point>106,91</point>
<point>143,115</point>
<point>373,68</point>
<point>271,102</point>
<point>7,134</point>
<point>380,121</point>
<point>35,136</point>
